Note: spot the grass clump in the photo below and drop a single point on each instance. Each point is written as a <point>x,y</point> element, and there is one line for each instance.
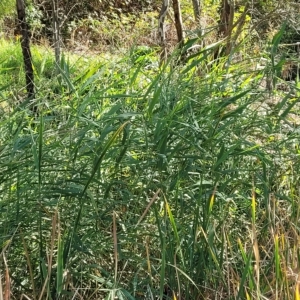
<point>140,182</point>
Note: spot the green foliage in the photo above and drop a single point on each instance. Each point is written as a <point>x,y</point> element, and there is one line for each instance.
<point>7,7</point>
<point>140,182</point>
<point>34,18</point>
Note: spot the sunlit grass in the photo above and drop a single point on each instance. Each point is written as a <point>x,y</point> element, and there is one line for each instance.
<point>140,182</point>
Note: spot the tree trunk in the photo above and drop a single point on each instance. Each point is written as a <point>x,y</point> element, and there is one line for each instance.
<point>161,29</point>
<point>197,10</point>
<point>226,18</point>
<point>225,27</point>
<point>25,44</point>
<point>178,25</point>
<point>178,22</point>
<point>238,26</point>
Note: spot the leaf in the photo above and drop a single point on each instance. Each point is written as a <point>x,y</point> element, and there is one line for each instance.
<point>154,99</point>
<point>60,266</point>
<point>277,37</point>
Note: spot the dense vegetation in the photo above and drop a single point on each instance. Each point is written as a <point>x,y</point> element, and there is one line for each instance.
<point>141,180</point>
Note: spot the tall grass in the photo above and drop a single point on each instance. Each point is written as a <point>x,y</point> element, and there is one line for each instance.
<point>139,182</point>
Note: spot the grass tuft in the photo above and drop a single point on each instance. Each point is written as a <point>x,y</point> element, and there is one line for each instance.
<point>145,182</point>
